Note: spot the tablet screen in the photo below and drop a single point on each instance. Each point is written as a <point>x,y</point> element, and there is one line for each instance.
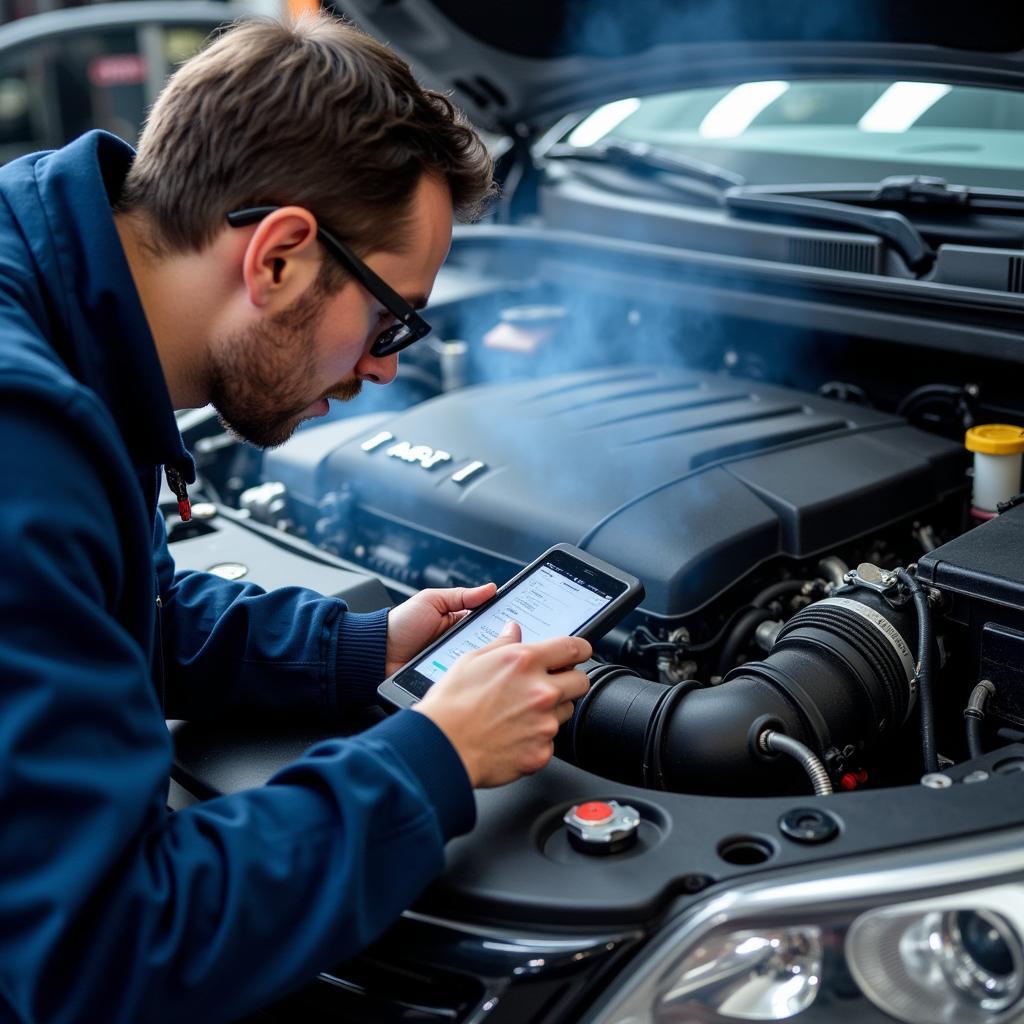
<point>552,601</point>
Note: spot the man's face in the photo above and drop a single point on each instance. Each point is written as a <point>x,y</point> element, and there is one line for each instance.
<point>267,378</point>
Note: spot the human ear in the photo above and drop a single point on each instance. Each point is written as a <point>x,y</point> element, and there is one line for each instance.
<point>281,258</point>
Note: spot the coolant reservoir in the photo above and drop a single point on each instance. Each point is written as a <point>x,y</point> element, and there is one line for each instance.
<point>997,451</point>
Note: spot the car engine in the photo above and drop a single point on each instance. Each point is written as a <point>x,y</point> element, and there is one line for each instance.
<point>779,642</point>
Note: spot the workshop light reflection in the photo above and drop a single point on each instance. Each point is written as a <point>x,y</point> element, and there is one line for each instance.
<point>602,121</point>
<point>901,105</point>
<point>736,110</point>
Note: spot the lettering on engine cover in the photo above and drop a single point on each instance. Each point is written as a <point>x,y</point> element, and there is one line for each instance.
<point>422,454</point>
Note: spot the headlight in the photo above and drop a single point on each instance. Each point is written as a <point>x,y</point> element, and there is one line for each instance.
<point>953,959</point>
<point>926,943</point>
<point>752,975</point>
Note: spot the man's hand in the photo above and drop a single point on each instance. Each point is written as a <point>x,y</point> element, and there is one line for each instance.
<point>424,617</point>
<point>502,705</point>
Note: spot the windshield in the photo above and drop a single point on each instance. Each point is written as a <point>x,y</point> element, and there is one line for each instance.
<point>771,132</point>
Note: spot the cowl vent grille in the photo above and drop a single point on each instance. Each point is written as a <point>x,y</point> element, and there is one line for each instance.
<point>1015,276</point>
<point>858,257</point>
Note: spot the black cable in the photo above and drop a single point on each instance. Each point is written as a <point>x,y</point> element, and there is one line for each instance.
<point>707,645</point>
<point>924,668</point>
<point>929,393</point>
<point>740,636</point>
<point>650,642</point>
<point>957,399</point>
<point>974,746</point>
<point>777,590</point>
<point>974,714</point>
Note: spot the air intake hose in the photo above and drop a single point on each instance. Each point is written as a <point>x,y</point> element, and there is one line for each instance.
<point>840,675</point>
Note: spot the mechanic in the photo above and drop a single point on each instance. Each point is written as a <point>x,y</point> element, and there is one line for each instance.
<point>126,293</point>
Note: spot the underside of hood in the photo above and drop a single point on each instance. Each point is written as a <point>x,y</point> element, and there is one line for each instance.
<point>525,64</point>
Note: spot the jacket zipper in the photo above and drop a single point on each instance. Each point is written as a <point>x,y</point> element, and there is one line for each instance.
<point>158,661</point>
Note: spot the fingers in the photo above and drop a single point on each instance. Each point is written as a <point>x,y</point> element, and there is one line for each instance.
<point>561,652</point>
<point>511,634</point>
<point>538,758</point>
<point>563,712</point>
<point>571,685</point>
<point>556,693</point>
<point>555,658</point>
<point>502,705</point>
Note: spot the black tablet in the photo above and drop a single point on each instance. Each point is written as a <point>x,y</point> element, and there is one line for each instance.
<point>565,592</point>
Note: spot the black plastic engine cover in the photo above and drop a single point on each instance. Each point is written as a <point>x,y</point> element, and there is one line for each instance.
<point>687,480</point>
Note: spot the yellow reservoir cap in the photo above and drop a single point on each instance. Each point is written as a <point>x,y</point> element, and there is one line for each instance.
<point>995,439</point>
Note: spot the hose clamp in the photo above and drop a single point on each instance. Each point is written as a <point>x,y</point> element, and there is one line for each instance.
<point>889,631</point>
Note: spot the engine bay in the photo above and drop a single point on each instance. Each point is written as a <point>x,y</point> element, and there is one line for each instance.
<point>763,521</point>
<point>799,508</point>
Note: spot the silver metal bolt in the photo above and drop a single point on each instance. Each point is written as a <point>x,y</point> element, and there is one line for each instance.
<point>936,780</point>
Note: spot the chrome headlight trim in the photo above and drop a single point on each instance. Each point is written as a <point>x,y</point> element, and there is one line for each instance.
<point>842,888</point>
<point>913,962</point>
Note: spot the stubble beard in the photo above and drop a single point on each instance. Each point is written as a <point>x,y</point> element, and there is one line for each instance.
<point>259,376</point>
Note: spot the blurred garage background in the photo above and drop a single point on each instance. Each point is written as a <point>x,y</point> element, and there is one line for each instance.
<point>66,67</point>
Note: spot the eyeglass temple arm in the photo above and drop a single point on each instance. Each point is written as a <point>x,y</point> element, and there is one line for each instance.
<point>377,285</point>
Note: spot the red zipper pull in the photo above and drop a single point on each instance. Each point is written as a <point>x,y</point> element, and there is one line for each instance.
<point>177,484</point>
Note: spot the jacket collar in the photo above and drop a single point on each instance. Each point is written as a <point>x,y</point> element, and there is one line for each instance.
<point>93,293</point>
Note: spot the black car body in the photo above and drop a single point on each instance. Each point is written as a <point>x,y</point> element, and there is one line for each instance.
<point>739,366</point>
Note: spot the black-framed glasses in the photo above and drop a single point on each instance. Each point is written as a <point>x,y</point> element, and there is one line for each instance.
<point>409,326</point>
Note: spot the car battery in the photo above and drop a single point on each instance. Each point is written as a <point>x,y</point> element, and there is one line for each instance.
<point>980,575</point>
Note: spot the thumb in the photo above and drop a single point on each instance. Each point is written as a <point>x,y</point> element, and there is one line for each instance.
<point>457,599</point>
<point>476,596</point>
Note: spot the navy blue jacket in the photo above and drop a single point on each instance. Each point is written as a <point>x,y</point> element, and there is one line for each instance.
<point>111,908</point>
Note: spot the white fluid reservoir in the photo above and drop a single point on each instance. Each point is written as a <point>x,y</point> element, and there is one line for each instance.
<point>997,451</point>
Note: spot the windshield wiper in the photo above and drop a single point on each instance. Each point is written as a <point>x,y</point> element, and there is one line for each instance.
<point>646,159</point>
<point>793,202</point>
<point>915,190</point>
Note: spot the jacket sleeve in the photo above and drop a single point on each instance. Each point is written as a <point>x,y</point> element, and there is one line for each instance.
<point>231,646</point>
<point>111,908</point>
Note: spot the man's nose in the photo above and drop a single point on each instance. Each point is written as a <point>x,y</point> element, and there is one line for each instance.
<point>377,369</point>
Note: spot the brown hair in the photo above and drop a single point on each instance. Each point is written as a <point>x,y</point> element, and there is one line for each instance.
<point>314,114</point>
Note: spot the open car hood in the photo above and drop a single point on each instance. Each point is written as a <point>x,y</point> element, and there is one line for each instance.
<point>519,67</point>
